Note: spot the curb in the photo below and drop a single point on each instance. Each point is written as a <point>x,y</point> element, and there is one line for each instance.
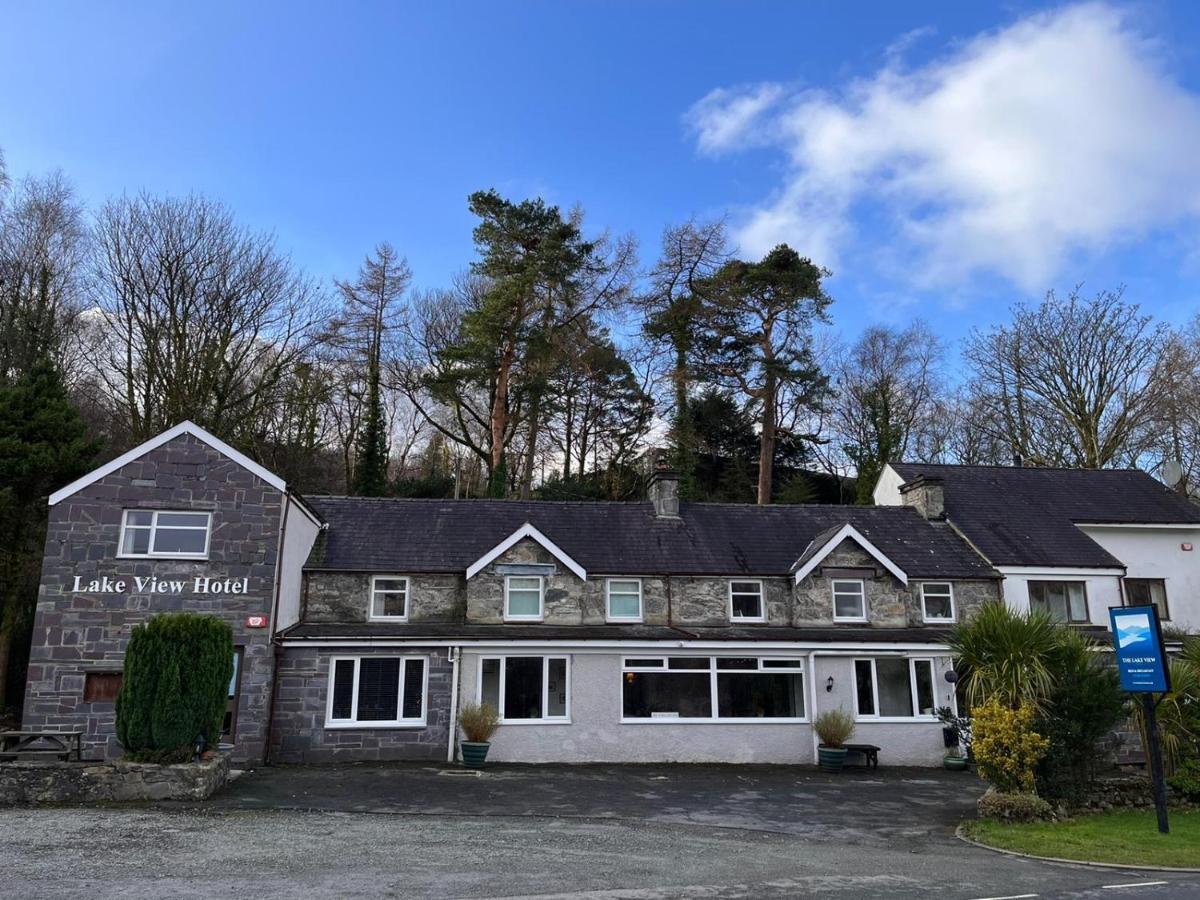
<point>959,833</point>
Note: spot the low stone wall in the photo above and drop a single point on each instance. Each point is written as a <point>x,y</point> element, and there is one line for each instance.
<point>53,781</point>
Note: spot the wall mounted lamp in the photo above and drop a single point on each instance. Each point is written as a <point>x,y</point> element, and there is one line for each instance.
<point>829,685</point>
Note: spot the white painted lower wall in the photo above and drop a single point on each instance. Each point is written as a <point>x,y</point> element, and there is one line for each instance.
<point>595,732</point>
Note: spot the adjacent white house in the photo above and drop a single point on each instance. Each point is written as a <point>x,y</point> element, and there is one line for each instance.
<point>1073,541</point>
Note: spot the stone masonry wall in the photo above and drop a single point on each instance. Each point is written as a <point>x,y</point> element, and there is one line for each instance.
<point>76,633</point>
<point>345,597</point>
<point>299,734</point>
<point>129,782</point>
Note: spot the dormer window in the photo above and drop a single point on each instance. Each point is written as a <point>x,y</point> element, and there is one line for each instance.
<point>158,533</point>
<point>849,600</point>
<point>523,598</point>
<point>746,601</point>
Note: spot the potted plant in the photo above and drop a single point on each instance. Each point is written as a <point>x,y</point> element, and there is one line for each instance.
<point>834,727</point>
<point>954,760</point>
<point>479,722</point>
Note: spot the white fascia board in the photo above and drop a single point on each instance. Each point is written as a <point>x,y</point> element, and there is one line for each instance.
<point>1053,571</point>
<point>170,434</point>
<point>1152,526</point>
<point>742,648</point>
<point>849,531</point>
<point>526,531</point>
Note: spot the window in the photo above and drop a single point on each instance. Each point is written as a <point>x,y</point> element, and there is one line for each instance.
<point>1066,601</point>
<point>937,601</point>
<point>1148,592</point>
<point>389,597</point>
<point>746,601</point>
<point>625,599</point>
<point>893,687</point>
<point>849,601</point>
<point>707,689</point>
<point>229,724</point>
<point>147,532</point>
<point>525,688</point>
<point>376,691</point>
<point>523,597</point>
<point>101,687</point>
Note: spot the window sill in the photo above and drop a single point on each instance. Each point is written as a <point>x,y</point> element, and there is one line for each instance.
<point>523,620</point>
<point>402,619</point>
<point>168,556</point>
<point>939,621</point>
<point>536,722</point>
<point>373,726</point>
<point>623,621</point>
<point>760,620</point>
<point>847,620</point>
<point>749,720</point>
<point>896,720</point>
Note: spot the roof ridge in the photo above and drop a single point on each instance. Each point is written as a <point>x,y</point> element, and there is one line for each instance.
<point>1020,468</point>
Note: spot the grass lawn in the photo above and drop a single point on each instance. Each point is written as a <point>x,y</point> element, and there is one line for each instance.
<point>1127,836</point>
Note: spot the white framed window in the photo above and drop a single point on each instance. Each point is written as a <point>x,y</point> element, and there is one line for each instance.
<point>389,598</point>
<point>523,596</point>
<point>894,687</point>
<point>526,689</point>
<point>937,601</point>
<point>746,602</point>
<point>1066,601</point>
<point>624,599</point>
<point>699,689</point>
<point>170,534</point>
<point>849,600</point>
<point>377,691</point>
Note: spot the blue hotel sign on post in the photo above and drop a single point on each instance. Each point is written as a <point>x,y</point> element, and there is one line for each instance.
<point>1141,661</point>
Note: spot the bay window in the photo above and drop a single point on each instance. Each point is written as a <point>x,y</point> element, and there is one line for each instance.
<point>525,688</point>
<point>893,688</point>
<point>702,688</point>
<point>376,691</point>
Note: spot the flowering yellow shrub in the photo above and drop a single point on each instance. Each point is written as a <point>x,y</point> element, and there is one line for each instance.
<point>1006,747</point>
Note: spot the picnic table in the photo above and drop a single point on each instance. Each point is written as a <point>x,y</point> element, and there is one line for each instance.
<point>41,744</point>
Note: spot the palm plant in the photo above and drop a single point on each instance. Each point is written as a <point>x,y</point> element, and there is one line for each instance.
<point>1178,712</point>
<point>1010,656</point>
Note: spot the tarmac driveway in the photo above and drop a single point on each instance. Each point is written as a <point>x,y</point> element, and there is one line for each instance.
<point>857,805</point>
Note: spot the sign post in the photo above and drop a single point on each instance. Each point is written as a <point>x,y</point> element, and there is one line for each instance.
<point>1142,663</point>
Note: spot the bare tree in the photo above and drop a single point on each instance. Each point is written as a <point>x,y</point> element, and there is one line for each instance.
<point>203,318</point>
<point>1071,382</point>
<point>1174,434</point>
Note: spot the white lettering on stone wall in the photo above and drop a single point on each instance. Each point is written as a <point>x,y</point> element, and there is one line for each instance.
<point>153,585</point>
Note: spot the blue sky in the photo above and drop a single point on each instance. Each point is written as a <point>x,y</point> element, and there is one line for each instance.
<point>944,159</point>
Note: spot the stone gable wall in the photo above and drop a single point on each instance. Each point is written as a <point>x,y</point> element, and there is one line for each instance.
<point>77,633</point>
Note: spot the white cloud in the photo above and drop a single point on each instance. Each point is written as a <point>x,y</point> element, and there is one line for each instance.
<point>1062,133</point>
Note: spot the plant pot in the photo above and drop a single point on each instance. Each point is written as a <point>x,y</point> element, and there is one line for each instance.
<point>831,759</point>
<point>955,763</point>
<point>474,753</point>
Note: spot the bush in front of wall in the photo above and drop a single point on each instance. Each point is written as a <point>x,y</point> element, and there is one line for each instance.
<point>1186,780</point>
<point>1017,806</point>
<point>1006,747</point>
<point>834,727</point>
<point>175,686</point>
<point>479,722</point>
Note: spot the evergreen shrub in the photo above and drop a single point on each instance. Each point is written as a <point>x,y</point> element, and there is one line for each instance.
<point>175,686</point>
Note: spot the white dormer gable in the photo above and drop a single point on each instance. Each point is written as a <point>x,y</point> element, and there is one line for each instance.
<point>526,531</point>
<point>167,436</point>
<point>815,553</point>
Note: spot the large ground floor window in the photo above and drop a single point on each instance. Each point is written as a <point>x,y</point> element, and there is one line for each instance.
<point>376,691</point>
<point>525,688</point>
<point>893,687</point>
<point>705,689</point>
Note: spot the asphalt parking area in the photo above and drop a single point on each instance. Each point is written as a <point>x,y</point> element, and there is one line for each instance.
<point>596,832</point>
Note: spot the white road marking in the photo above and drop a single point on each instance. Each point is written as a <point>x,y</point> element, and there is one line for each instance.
<point>1133,885</point>
<point>1009,897</point>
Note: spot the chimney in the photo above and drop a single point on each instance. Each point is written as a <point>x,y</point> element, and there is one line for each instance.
<point>926,494</point>
<point>662,489</point>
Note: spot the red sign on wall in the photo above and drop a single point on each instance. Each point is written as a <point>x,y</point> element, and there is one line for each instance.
<point>256,621</point>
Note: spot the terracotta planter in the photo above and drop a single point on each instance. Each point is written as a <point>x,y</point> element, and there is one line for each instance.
<point>831,759</point>
<point>474,753</point>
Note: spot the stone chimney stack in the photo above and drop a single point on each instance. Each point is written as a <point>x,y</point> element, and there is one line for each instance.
<point>927,495</point>
<point>662,489</point>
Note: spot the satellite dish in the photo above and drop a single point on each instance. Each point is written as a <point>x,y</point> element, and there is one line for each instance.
<point>1172,472</point>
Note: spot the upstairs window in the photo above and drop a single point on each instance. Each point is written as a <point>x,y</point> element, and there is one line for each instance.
<point>937,601</point>
<point>523,598</point>
<point>376,691</point>
<point>624,599</point>
<point>746,601</point>
<point>1148,592</point>
<point>162,533</point>
<point>849,600</point>
<point>389,598</point>
<point>1066,601</point>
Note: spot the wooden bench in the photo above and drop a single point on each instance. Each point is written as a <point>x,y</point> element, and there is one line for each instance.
<point>870,753</point>
<point>34,744</point>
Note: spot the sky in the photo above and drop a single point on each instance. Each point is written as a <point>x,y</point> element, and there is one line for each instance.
<point>942,159</point>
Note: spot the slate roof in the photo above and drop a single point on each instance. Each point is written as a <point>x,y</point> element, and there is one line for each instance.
<point>841,633</point>
<point>1027,516</point>
<point>401,535</point>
